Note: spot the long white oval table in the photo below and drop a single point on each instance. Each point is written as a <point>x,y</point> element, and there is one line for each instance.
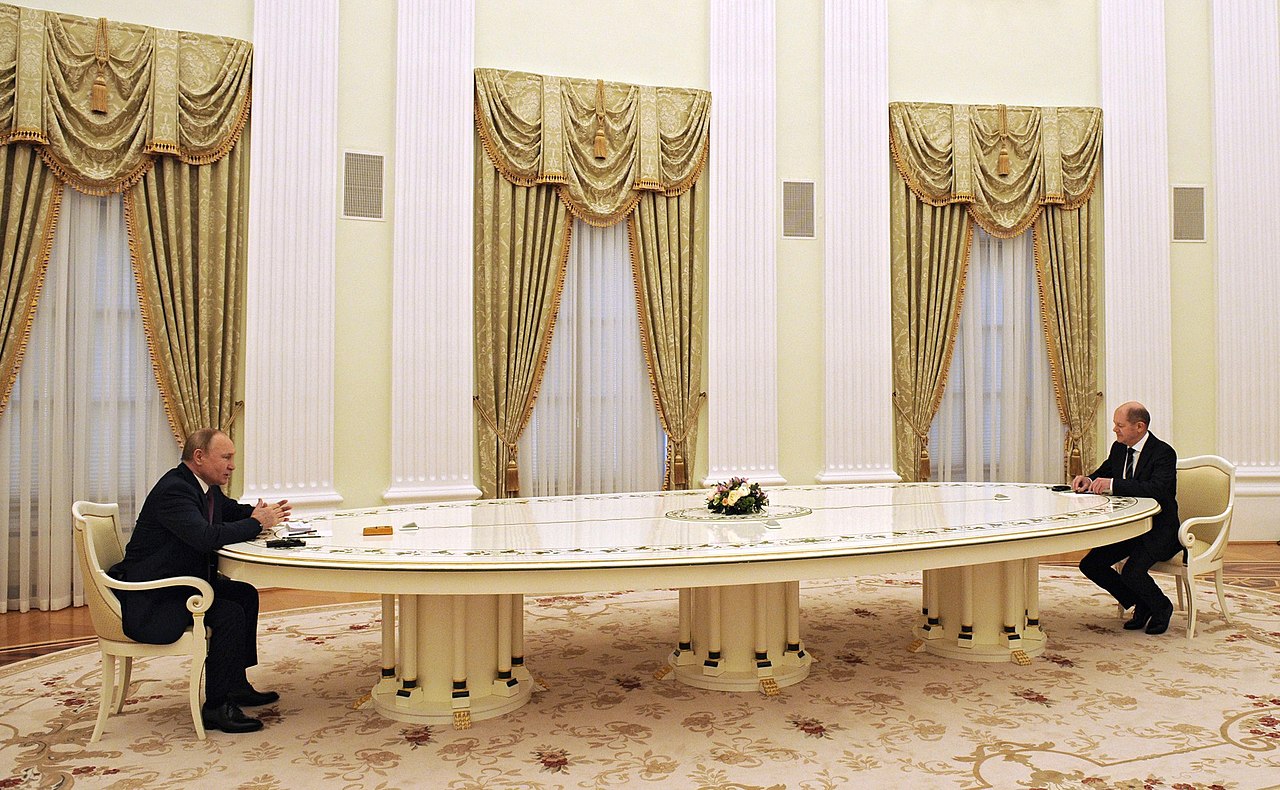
<point>458,572</point>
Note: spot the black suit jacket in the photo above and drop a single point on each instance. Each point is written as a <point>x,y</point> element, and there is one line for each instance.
<point>173,537</point>
<point>1156,477</point>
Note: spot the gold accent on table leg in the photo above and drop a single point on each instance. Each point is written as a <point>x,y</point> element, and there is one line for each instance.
<point>360,702</point>
<point>662,672</point>
<point>462,719</point>
<point>916,646</point>
<point>1020,658</point>
<point>769,686</point>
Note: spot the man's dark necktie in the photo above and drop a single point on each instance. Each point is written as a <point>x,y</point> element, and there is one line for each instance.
<point>208,506</point>
<point>1128,464</point>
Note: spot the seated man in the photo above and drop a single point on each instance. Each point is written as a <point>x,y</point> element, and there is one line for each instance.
<point>1138,465</point>
<point>184,521</point>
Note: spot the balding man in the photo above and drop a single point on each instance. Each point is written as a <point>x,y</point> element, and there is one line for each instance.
<point>1139,465</point>
<point>184,521</point>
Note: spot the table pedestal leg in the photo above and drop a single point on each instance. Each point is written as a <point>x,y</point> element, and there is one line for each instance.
<point>983,612</point>
<point>740,638</point>
<point>456,661</point>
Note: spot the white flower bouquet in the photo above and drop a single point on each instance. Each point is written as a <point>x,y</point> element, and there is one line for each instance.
<point>737,497</point>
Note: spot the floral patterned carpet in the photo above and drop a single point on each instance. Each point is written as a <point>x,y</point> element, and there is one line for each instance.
<point>1102,708</point>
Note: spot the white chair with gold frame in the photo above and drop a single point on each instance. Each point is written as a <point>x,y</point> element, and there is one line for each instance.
<point>98,547</point>
<point>1206,499</point>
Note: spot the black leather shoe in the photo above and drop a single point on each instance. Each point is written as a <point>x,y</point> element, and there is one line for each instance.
<point>1160,619</point>
<point>1141,615</point>
<point>229,718</point>
<point>249,697</point>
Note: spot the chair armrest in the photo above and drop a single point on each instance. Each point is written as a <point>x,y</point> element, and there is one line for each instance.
<point>1188,539</point>
<point>197,604</point>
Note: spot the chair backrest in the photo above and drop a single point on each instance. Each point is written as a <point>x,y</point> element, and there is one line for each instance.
<point>1206,489</point>
<point>98,547</point>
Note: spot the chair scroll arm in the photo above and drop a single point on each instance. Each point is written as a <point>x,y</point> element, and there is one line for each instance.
<point>196,604</point>
<point>1187,538</point>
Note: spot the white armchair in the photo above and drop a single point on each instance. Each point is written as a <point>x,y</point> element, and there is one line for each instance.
<point>1206,498</point>
<point>98,547</point>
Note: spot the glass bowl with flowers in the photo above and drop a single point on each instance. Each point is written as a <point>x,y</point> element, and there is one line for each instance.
<point>737,497</point>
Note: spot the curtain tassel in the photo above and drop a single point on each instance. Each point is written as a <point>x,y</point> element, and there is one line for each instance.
<point>1075,464</point>
<point>98,99</point>
<point>679,473</point>
<point>924,464</point>
<point>1002,162</point>
<point>101,53</point>
<point>511,480</point>
<point>601,149</point>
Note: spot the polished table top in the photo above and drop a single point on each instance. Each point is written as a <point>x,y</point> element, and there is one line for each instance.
<point>665,538</point>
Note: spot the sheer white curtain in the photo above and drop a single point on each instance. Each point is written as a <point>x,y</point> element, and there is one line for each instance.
<point>85,420</point>
<point>998,420</point>
<point>594,427</point>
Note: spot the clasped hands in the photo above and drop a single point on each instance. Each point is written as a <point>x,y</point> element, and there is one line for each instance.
<point>1084,485</point>
<point>268,514</point>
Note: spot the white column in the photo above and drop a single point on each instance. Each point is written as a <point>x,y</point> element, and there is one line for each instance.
<point>1246,99</point>
<point>858,423</point>
<point>1139,359</point>
<point>742,367</point>
<point>289,336</point>
<point>432,423</point>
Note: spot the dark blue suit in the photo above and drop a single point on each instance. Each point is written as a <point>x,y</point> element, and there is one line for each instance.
<point>1156,477</point>
<point>174,537</point>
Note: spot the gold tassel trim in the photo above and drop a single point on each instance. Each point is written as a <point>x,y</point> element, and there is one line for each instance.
<point>10,375</point>
<point>148,323</point>
<point>28,136</point>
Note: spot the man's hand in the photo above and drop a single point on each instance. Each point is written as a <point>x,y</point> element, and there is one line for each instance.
<point>268,515</point>
<point>1101,486</point>
<point>1080,484</point>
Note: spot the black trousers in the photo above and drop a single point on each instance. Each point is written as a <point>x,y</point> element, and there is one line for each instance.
<point>1133,584</point>
<point>158,617</point>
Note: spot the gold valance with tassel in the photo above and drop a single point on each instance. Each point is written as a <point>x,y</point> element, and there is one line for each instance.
<point>102,98</point>
<point>602,142</point>
<point>1005,162</point>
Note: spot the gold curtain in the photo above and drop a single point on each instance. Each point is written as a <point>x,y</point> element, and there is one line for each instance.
<point>27,218</point>
<point>1007,169</point>
<point>1064,244</point>
<point>188,229</point>
<point>159,114</point>
<point>602,143</point>
<point>555,146</point>
<point>521,248</point>
<point>668,263</point>
<point>929,256</point>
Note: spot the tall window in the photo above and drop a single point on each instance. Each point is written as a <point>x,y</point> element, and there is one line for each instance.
<point>594,427</point>
<point>85,420</point>
<point>998,420</point>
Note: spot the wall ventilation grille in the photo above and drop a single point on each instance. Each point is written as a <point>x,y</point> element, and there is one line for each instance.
<point>362,185</point>
<point>797,210</point>
<point>1188,213</point>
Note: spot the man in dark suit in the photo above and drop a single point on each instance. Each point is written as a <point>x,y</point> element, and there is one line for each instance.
<point>185,520</point>
<point>1138,465</point>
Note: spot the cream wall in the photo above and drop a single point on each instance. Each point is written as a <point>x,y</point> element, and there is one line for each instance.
<point>1047,54</point>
